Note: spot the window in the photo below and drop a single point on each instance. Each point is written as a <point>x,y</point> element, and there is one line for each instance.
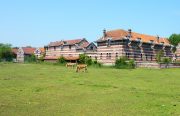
<point>141,57</point>
<point>69,46</point>
<point>116,55</point>
<point>109,42</point>
<point>61,48</point>
<point>91,48</point>
<point>54,48</point>
<point>101,56</point>
<point>109,55</point>
<point>151,57</point>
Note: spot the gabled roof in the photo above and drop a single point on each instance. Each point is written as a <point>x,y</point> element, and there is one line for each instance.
<point>28,50</point>
<point>120,34</point>
<point>66,42</point>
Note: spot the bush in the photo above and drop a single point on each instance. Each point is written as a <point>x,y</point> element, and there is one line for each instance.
<point>166,60</point>
<point>95,62</point>
<point>123,63</point>
<point>30,58</point>
<point>88,61</point>
<point>61,60</point>
<point>131,64</point>
<point>84,59</point>
<point>159,56</point>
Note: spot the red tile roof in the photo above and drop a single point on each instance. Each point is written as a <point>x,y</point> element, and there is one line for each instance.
<point>28,50</point>
<point>120,34</point>
<point>62,42</point>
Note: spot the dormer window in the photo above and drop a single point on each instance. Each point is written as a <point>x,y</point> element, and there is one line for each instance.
<point>162,43</point>
<point>138,39</point>
<point>65,42</point>
<point>151,41</point>
<point>108,42</point>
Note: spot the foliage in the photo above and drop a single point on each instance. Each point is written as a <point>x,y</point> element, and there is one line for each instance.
<point>30,58</point>
<point>159,55</point>
<point>88,61</point>
<point>123,62</point>
<point>5,52</point>
<point>61,60</point>
<point>166,60</point>
<point>131,64</point>
<point>174,39</point>
<point>84,59</point>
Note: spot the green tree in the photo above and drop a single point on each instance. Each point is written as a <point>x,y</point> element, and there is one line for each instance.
<point>174,39</point>
<point>159,55</point>
<point>30,58</point>
<point>84,59</point>
<point>61,60</point>
<point>6,52</point>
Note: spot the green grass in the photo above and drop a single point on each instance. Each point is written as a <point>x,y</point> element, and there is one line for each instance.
<point>48,90</point>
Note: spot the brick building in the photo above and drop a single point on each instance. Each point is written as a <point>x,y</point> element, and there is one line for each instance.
<point>69,49</point>
<point>140,47</point>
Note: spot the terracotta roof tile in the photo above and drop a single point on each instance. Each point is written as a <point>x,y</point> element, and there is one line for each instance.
<point>62,42</point>
<point>120,34</point>
<point>28,50</point>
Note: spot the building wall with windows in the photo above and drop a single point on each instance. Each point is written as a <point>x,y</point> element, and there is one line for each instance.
<point>70,49</point>
<point>140,47</point>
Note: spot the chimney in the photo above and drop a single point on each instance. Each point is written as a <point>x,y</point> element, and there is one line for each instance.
<point>104,33</point>
<point>129,32</point>
<point>158,38</point>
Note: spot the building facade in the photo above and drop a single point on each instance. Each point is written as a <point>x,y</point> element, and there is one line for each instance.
<point>140,47</point>
<point>23,52</point>
<point>178,52</point>
<point>69,49</point>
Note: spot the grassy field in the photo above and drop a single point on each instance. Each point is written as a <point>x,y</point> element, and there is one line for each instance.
<point>48,90</point>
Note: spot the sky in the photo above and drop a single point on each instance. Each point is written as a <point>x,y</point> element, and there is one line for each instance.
<point>38,22</point>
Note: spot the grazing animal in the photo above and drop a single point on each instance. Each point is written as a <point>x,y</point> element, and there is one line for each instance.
<point>81,67</point>
<point>70,65</point>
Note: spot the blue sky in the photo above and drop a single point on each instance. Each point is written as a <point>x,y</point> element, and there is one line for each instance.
<point>38,22</point>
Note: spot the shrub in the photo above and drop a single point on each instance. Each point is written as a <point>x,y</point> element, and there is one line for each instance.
<point>159,55</point>
<point>124,63</point>
<point>88,61</point>
<point>121,62</point>
<point>84,59</point>
<point>131,64</point>
<point>61,60</point>
<point>95,62</point>
<point>30,58</point>
<point>166,60</point>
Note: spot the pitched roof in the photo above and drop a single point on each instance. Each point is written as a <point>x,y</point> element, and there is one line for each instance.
<point>28,50</point>
<point>42,50</point>
<point>120,34</point>
<point>65,42</point>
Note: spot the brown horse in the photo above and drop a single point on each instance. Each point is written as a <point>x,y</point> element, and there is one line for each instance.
<point>70,65</point>
<point>81,67</point>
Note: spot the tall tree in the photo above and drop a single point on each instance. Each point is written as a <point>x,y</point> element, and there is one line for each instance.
<point>5,52</point>
<point>174,39</point>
